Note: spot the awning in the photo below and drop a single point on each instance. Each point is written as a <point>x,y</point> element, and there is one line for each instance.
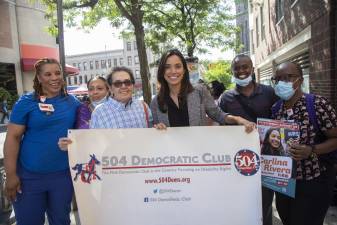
<point>28,65</point>
<point>80,90</point>
<point>31,53</point>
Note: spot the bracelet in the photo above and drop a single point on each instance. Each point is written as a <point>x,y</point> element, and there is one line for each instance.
<point>313,148</point>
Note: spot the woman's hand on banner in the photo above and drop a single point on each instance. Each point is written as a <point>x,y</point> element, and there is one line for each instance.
<point>160,126</point>
<point>63,143</point>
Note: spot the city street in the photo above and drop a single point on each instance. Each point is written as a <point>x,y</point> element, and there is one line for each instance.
<point>331,218</point>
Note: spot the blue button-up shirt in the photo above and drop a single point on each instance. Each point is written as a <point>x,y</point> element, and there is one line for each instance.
<point>114,114</point>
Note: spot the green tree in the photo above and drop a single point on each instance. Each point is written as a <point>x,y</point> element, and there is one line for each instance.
<point>91,12</point>
<point>193,24</point>
<point>220,71</point>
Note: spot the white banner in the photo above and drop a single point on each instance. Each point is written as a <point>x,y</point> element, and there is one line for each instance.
<point>181,176</point>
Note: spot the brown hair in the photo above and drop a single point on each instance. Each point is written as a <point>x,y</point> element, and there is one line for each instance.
<point>164,91</point>
<point>38,67</point>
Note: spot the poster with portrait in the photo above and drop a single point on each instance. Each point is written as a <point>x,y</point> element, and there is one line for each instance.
<point>277,167</point>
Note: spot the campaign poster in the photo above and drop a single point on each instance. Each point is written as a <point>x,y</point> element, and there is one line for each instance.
<point>179,176</point>
<point>277,167</point>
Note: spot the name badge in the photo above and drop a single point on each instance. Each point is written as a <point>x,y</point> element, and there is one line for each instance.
<point>46,107</point>
<point>290,112</point>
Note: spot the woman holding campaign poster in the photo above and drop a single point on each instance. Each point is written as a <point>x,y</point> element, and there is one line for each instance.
<point>315,174</point>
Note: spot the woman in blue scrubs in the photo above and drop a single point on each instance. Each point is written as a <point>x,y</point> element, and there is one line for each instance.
<point>38,176</point>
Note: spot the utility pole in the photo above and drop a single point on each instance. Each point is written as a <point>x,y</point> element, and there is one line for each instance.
<point>61,36</point>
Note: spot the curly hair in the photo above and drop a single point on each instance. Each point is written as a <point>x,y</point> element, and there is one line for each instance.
<point>38,68</point>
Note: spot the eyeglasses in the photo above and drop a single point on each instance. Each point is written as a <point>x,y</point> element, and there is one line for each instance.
<point>286,78</point>
<point>118,83</point>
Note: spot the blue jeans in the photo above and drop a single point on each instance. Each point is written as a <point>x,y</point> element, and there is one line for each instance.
<point>44,193</point>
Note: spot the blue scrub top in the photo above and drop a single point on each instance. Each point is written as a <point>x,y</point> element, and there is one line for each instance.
<point>39,151</point>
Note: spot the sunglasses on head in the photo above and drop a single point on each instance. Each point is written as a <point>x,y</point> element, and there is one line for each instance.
<point>118,83</point>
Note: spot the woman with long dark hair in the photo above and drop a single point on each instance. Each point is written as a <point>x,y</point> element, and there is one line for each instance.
<point>178,103</point>
<point>272,143</point>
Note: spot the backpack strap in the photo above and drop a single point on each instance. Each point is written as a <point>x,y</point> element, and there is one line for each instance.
<point>310,104</point>
<point>275,108</point>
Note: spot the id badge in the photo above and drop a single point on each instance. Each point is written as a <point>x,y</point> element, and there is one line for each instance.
<point>46,107</point>
<point>290,112</point>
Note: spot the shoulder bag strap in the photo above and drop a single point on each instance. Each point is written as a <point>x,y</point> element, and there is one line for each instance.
<point>146,114</point>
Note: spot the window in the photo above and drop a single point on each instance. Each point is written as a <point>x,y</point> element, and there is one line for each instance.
<point>75,80</point>
<point>115,62</point>
<point>129,61</point>
<point>293,3</point>
<point>121,61</point>
<point>85,66</point>
<point>279,10</point>
<point>85,79</point>
<point>257,31</point>
<point>69,81</point>
<point>96,65</point>
<point>136,59</point>
<point>135,45</point>
<point>246,36</point>
<point>91,65</point>
<point>81,79</point>
<point>242,35</point>
<point>128,46</point>
<point>262,23</point>
<point>251,41</point>
<point>79,66</point>
<point>103,64</point>
<point>109,63</point>
<point>137,74</point>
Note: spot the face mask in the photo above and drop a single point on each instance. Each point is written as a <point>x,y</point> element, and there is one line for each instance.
<point>96,103</point>
<point>243,82</point>
<point>284,90</point>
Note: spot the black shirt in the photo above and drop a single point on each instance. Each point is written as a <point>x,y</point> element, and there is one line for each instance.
<point>260,101</point>
<point>178,117</point>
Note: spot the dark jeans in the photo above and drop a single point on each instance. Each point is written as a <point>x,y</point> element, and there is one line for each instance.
<point>267,210</point>
<point>311,202</point>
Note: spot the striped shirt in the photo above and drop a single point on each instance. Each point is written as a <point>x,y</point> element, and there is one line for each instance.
<point>114,114</point>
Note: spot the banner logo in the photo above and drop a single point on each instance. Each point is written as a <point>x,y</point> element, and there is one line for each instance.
<point>87,171</point>
<point>247,162</point>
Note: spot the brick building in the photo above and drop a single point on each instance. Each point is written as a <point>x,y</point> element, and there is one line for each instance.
<point>303,31</point>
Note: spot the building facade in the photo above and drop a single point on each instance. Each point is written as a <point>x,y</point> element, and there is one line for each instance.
<point>302,31</point>
<point>101,63</point>
<point>242,21</point>
<point>23,40</point>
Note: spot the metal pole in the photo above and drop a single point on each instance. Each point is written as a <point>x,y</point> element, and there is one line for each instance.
<point>60,36</point>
